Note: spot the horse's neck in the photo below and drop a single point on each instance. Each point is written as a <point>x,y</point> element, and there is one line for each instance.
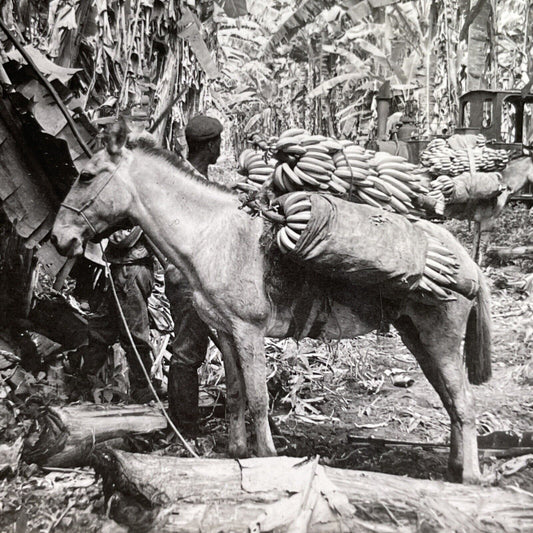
<point>180,214</point>
<point>518,172</point>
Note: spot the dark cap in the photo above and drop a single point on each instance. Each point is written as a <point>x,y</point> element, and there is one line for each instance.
<point>203,128</point>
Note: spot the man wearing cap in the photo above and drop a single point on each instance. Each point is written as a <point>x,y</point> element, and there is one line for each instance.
<point>203,139</point>
<point>189,348</point>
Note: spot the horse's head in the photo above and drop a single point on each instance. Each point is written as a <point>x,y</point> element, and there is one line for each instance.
<point>98,199</point>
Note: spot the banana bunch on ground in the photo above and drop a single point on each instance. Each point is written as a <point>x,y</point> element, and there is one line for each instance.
<point>297,210</point>
<point>440,158</point>
<point>257,169</point>
<point>439,271</point>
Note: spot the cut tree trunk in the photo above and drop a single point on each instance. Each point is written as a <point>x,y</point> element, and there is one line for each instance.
<point>511,252</point>
<point>479,46</point>
<point>172,494</point>
<point>66,436</point>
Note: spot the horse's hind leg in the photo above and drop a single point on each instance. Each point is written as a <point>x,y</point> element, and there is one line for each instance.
<point>434,337</point>
<point>250,344</point>
<point>235,398</point>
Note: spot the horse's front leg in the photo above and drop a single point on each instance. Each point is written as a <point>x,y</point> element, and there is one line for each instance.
<point>250,344</point>
<point>235,398</point>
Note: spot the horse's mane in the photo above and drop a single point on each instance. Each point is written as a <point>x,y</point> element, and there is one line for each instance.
<point>178,162</point>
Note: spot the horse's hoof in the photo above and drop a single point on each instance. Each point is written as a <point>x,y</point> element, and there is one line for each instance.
<point>238,451</point>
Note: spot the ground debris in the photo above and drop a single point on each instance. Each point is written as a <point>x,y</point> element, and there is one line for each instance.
<point>516,465</point>
<point>10,456</point>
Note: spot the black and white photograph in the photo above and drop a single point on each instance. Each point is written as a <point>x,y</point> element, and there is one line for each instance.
<point>266,266</point>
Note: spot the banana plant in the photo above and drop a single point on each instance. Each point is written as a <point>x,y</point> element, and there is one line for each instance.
<point>513,42</point>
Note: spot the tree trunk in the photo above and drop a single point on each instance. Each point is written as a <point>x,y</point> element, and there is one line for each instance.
<point>479,47</point>
<point>172,494</point>
<point>426,74</point>
<point>511,252</point>
<point>66,436</point>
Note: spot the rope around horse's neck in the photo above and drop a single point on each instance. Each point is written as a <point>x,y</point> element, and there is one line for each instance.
<point>140,361</point>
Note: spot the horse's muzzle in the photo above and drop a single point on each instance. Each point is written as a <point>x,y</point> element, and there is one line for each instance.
<point>68,245</point>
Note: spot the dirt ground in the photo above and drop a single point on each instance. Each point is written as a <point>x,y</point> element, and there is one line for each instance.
<point>326,397</point>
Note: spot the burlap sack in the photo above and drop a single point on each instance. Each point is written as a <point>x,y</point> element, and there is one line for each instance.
<point>361,244</point>
<point>474,186</point>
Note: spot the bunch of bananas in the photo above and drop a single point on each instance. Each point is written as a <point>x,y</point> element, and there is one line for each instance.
<point>395,181</point>
<point>305,161</point>
<point>443,183</point>
<point>440,267</point>
<point>257,169</point>
<point>440,158</point>
<point>297,210</point>
<point>318,163</point>
<point>439,271</point>
<point>441,189</point>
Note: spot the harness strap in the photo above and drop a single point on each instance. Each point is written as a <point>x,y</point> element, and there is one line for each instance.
<point>88,203</point>
<point>82,214</point>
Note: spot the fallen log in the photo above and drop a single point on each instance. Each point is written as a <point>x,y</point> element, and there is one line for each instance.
<point>511,252</point>
<point>172,494</point>
<point>66,436</point>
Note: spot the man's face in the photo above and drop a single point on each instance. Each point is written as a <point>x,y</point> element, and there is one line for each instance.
<point>214,149</point>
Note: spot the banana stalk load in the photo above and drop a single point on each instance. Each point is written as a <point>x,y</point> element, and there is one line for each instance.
<point>322,164</point>
<point>357,244</point>
<point>440,158</point>
<point>257,169</point>
<point>394,177</point>
<point>297,211</point>
<point>441,190</point>
<point>342,242</point>
<point>440,271</point>
<point>305,162</point>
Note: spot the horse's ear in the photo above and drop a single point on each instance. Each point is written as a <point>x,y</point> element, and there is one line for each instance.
<point>117,137</point>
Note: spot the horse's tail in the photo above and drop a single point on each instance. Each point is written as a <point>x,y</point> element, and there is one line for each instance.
<point>478,341</point>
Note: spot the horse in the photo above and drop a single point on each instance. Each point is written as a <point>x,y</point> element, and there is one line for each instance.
<point>515,176</point>
<point>246,290</point>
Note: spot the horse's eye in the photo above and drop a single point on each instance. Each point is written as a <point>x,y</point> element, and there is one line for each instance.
<point>86,176</point>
